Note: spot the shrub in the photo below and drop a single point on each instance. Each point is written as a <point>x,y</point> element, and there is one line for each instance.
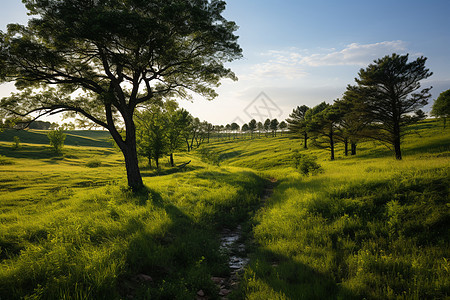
<point>95,163</point>
<point>306,164</point>
<point>210,156</point>
<point>57,138</point>
<point>5,161</point>
<point>16,143</point>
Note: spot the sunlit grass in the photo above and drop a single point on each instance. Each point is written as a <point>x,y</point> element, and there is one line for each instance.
<point>367,227</point>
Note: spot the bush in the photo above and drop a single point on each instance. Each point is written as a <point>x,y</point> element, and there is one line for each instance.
<point>95,163</point>
<point>16,143</point>
<point>57,138</point>
<point>210,156</point>
<point>5,161</point>
<point>306,164</point>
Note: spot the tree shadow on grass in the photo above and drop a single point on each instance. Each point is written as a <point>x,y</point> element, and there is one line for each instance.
<point>290,278</point>
<point>146,172</point>
<point>180,257</point>
<point>29,152</point>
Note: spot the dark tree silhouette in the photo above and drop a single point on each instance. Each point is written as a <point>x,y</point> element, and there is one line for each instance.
<point>323,121</point>
<point>282,126</point>
<point>117,55</point>
<point>267,126</point>
<point>274,126</point>
<point>235,128</point>
<point>389,89</point>
<point>260,127</point>
<point>297,123</point>
<point>252,127</point>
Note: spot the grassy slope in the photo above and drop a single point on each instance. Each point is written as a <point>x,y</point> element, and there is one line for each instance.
<point>368,227</point>
<point>68,231</point>
<point>86,138</point>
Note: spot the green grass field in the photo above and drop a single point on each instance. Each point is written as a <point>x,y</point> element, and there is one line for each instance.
<point>367,227</point>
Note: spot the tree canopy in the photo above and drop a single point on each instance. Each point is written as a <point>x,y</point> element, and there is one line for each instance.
<point>392,101</point>
<point>441,106</point>
<point>100,60</point>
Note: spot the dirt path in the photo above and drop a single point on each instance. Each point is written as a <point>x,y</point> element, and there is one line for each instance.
<point>231,243</point>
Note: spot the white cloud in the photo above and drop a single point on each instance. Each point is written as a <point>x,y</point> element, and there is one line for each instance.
<point>283,70</point>
<point>292,64</point>
<point>355,54</point>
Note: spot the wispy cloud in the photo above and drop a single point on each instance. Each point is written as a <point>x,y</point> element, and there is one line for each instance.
<point>354,54</point>
<point>293,63</point>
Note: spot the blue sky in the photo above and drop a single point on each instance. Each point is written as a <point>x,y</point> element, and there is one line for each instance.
<point>306,52</point>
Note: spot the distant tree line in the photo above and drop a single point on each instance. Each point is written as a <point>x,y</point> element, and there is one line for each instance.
<point>163,128</point>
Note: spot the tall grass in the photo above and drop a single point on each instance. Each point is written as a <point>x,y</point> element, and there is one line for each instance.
<point>68,231</point>
<point>366,227</point>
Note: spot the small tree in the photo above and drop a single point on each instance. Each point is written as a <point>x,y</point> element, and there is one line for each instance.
<point>244,129</point>
<point>306,164</point>
<point>235,128</point>
<point>177,121</point>
<point>57,138</point>
<point>441,106</point>
<point>282,126</point>
<point>16,143</point>
<point>151,135</point>
<point>274,126</point>
<point>260,127</point>
<point>252,126</point>
<point>297,123</point>
<point>267,126</point>
<point>323,124</point>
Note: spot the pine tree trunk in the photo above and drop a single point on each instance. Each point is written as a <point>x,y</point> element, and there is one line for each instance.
<point>353,148</point>
<point>171,160</point>
<point>306,141</point>
<point>397,149</point>
<point>332,144</point>
<point>346,147</point>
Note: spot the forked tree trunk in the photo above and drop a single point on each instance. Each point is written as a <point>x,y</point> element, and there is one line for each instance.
<point>128,148</point>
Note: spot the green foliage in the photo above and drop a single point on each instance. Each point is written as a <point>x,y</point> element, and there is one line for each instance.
<point>209,155</point>
<point>306,164</point>
<point>16,144</point>
<point>441,106</point>
<point>5,161</point>
<point>56,138</point>
<point>67,233</point>
<point>389,90</point>
<point>94,163</point>
<point>368,227</point>
<point>115,56</point>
